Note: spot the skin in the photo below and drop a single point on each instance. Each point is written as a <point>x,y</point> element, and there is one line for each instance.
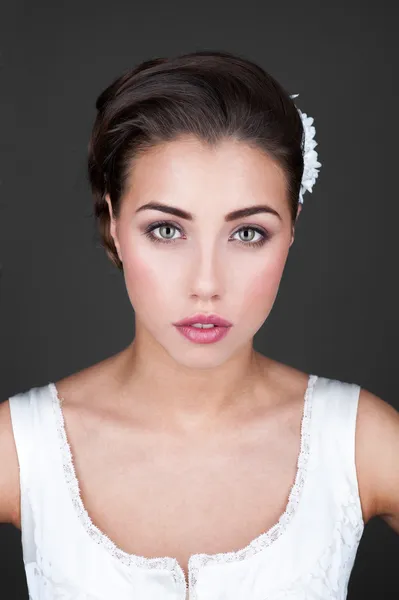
<point>200,271</point>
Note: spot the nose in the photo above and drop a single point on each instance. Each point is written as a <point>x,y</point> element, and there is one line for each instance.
<point>207,274</point>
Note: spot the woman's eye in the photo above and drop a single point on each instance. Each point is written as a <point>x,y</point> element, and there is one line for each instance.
<point>166,232</point>
<point>251,236</point>
<point>162,232</point>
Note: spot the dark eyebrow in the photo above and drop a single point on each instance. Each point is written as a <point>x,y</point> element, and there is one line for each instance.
<point>232,216</point>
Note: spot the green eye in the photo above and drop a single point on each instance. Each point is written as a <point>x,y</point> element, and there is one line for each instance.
<point>249,237</point>
<point>167,231</point>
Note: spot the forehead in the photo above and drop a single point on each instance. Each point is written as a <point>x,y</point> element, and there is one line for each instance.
<point>187,171</point>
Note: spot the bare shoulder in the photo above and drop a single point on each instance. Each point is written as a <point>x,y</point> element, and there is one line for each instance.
<point>9,471</point>
<point>290,382</point>
<point>84,386</point>
<point>377,457</point>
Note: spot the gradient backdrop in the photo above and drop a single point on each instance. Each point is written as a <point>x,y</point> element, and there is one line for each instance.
<point>63,306</point>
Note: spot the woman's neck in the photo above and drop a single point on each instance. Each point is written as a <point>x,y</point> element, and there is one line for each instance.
<point>188,398</point>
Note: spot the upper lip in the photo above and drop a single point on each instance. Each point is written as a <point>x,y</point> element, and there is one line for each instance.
<point>205,320</point>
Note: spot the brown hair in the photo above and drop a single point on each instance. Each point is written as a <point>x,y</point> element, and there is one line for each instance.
<point>209,94</point>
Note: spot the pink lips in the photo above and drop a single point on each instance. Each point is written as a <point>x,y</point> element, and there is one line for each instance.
<point>205,320</point>
<point>203,336</point>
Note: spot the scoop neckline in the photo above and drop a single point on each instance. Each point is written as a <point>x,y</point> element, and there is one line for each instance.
<point>196,561</point>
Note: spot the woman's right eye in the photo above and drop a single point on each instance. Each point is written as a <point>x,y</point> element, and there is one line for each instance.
<point>166,232</point>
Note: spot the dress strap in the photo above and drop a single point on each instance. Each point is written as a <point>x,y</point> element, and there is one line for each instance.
<point>334,435</point>
<point>22,412</point>
<point>34,436</point>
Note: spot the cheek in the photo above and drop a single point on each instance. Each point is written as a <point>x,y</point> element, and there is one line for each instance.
<point>262,284</point>
<point>149,279</point>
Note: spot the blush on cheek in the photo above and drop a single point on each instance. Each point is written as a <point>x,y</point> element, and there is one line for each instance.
<point>139,277</point>
<point>148,283</point>
<point>262,287</point>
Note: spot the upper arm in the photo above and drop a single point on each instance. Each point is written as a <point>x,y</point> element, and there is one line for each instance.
<point>377,457</point>
<point>9,470</point>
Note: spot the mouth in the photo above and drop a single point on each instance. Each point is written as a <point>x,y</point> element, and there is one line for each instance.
<point>203,321</point>
<point>203,329</point>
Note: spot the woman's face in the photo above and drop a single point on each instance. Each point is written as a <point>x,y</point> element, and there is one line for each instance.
<point>209,262</point>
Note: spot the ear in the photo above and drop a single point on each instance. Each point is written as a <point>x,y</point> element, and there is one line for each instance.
<point>298,211</point>
<point>296,219</point>
<point>112,227</point>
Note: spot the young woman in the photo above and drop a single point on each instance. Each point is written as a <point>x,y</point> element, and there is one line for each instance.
<point>188,465</point>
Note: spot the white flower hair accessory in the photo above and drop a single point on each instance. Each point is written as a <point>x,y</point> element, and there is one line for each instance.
<point>311,165</point>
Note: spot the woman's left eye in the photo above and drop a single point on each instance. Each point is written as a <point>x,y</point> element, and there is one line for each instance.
<point>249,235</point>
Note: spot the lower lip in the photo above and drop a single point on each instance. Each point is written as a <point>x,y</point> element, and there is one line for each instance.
<point>203,336</point>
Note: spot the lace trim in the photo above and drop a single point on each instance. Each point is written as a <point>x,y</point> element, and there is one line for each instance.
<point>196,561</point>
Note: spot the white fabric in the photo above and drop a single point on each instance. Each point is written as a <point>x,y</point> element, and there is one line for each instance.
<point>307,555</point>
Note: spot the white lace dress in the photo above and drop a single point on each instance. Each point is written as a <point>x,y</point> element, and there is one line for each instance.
<point>307,555</point>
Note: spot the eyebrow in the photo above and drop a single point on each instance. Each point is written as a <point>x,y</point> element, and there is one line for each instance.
<point>231,216</point>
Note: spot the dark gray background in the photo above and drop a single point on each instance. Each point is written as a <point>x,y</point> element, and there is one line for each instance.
<point>64,307</point>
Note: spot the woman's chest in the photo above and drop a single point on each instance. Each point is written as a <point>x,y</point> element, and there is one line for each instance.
<point>153,509</point>
<point>157,500</point>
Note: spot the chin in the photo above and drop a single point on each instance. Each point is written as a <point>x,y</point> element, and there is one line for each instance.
<point>200,362</point>
<point>202,356</point>
<point>198,356</point>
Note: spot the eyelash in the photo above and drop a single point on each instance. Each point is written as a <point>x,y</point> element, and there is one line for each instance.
<point>149,233</point>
